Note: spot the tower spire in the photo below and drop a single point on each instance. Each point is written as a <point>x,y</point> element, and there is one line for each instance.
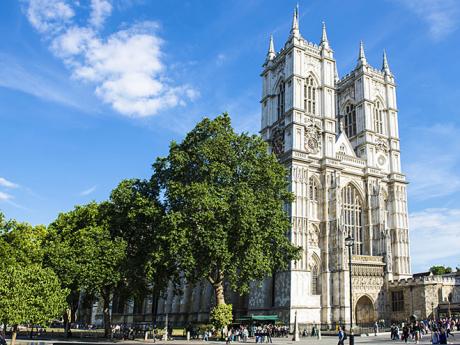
<point>362,57</point>
<point>271,49</point>
<point>385,66</point>
<point>295,22</point>
<point>324,40</point>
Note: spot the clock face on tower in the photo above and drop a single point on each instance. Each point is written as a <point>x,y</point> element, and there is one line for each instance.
<point>381,160</point>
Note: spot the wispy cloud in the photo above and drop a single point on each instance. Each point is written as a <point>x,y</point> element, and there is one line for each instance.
<point>126,66</point>
<point>88,191</point>
<point>442,16</point>
<point>5,196</point>
<point>434,237</point>
<point>15,76</point>
<point>7,184</point>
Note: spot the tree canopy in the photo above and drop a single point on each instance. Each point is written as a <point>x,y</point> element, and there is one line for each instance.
<point>224,196</point>
<point>440,269</point>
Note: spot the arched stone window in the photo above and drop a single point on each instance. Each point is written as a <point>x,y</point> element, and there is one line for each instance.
<point>352,217</point>
<point>378,117</point>
<point>313,197</point>
<point>309,101</point>
<point>350,120</point>
<point>280,100</point>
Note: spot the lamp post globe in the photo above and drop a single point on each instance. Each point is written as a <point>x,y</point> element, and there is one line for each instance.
<point>349,242</point>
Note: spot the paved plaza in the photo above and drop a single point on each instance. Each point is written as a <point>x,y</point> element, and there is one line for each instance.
<point>328,340</point>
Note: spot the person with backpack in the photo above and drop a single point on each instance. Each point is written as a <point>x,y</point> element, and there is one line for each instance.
<point>342,336</point>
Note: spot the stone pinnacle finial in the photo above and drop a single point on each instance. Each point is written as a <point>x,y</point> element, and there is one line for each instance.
<point>362,57</point>
<point>295,22</point>
<point>271,49</point>
<point>324,40</point>
<point>385,66</point>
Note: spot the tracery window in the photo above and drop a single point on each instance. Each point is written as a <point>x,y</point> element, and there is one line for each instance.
<point>353,217</point>
<point>350,120</point>
<point>378,118</point>
<point>309,101</point>
<point>281,94</point>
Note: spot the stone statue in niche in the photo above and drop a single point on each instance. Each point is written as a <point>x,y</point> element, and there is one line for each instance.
<point>278,141</point>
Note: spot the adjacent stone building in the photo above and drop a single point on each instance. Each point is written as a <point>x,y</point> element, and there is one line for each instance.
<point>426,296</point>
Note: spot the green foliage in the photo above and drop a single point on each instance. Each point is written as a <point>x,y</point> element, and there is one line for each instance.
<point>82,251</point>
<point>221,315</point>
<point>30,294</point>
<point>137,216</point>
<point>440,269</point>
<point>224,196</point>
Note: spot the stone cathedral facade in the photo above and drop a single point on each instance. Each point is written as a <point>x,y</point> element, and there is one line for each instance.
<point>338,138</point>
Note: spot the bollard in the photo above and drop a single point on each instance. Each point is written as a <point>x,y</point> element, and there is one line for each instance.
<point>146,335</point>
<point>188,335</point>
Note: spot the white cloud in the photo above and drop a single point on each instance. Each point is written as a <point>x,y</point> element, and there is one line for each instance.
<point>435,237</point>
<point>7,184</point>
<point>442,16</point>
<point>126,67</point>
<point>100,10</point>
<point>49,15</point>
<point>88,191</point>
<point>5,196</point>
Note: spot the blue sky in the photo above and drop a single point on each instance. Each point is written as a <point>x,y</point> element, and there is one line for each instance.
<point>92,91</point>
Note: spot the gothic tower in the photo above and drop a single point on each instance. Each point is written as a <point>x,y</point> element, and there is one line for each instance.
<point>339,140</point>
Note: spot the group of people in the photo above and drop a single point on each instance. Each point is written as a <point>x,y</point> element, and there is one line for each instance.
<point>439,330</point>
<point>261,333</point>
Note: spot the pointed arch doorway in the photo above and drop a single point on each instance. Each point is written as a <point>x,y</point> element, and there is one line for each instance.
<point>364,311</point>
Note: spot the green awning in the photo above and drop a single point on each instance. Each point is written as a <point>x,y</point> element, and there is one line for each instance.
<point>259,318</point>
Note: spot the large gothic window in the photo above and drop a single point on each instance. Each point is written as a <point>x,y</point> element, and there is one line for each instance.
<point>352,213</point>
<point>309,101</point>
<point>280,107</point>
<point>378,118</point>
<point>350,120</point>
<point>313,197</point>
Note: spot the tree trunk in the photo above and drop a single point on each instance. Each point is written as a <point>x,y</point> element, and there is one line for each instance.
<point>67,332</point>
<point>14,334</point>
<point>107,322</point>
<point>219,292</point>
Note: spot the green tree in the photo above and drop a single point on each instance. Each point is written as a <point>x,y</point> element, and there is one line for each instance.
<point>86,255</point>
<point>30,294</point>
<point>224,197</point>
<point>440,269</point>
<point>221,316</point>
<point>137,217</point>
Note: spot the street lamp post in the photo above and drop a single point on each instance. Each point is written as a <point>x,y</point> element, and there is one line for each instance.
<point>349,241</point>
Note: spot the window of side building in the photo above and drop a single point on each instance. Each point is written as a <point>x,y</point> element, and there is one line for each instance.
<point>397,300</point>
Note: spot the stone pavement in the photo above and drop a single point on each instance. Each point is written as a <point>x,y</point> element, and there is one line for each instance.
<point>327,340</point>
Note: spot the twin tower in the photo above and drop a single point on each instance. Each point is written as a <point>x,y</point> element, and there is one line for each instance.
<point>338,138</point>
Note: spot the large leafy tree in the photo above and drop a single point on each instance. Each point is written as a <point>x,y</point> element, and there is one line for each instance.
<point>30,295</point>
<point>137,217</point>
<point>224,195</point>
<point>86,255</point>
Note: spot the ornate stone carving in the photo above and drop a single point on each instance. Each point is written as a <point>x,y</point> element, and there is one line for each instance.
<point>381,145</point>
<point>313,236</point>
<point>312,138</point>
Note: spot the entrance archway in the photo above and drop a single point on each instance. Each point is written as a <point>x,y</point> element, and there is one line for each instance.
<point>364,311</point>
